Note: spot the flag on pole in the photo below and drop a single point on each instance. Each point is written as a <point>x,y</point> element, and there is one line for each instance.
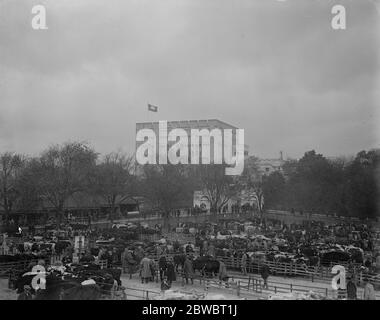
<point>152,108</point>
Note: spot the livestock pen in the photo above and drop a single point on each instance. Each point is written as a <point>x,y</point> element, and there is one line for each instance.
<point>312,274</point>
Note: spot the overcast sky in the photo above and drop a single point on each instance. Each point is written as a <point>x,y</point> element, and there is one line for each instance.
<point>274,68</point>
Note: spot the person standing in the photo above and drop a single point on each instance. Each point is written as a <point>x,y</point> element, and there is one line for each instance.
<point>205,247</point>
<point>351,289</point>
<point>188,248</point>
<point>153,269</point>
<point>158,250</point>
<point>368,263</point>
<point>115,257</point>
<point>162,265</point>
<point>244,263</point>
<point>369,291</point>
<point>188,270</point>
<point>145,269</point>
<point>128,262</point>
<point>211,250</point>
<point>124,261</point>
<point>223,276</point>
<point>170,272</point>
<point>265,274</point>
<point>378,263</point>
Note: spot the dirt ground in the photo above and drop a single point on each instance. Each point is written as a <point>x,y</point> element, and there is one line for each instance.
<point>213,292</point>
<point>135,283</point>
<point>137,290</point>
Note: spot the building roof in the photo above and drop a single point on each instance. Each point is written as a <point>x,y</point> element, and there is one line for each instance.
<point>206,123</point>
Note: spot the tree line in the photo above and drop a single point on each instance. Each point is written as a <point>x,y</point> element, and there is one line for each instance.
<point>311,184</point>
<point>315,184</point>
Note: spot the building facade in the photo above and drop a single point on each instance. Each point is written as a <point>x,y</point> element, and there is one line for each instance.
<point>188,126</point>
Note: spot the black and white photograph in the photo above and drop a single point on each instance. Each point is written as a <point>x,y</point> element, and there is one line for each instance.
<point>206,151</point>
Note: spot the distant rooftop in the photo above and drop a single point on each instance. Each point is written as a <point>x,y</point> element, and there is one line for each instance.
<point>191,123</point>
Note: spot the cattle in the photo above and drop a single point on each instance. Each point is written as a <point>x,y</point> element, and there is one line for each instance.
<point>179,260</point>
<point>94,251</point>
<point>87,259</point>
<point>55,286</point>
<point>313,260</point>
<point>58,283</point>
<point>58,289</point>
<point>116,274</point>
<point>334,256</point>
<point>20,281</point>
<point>60,246</point>
<point>55,289</point>
<point>206,265</point>
<point>283,258</point>
<point>104,278</point>
<point>356,254</point>
<point>80,292</point>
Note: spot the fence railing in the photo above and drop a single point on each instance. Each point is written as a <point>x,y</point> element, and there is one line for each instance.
<point>313,273</point>
<point>103,264</point>
<point>139,294</point>
<point>7,267</point>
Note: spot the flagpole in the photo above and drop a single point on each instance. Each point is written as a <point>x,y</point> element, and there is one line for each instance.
<point>151,108</point>
<point>149,117</point>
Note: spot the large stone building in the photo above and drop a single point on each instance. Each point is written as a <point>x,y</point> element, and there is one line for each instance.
<point>246,198</point>
<point>187,126</point>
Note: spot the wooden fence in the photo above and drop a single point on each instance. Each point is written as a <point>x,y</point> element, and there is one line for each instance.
<point>7,267</point>
<point>321,274</point>
<point>139,294</point>
<point>314,273</point>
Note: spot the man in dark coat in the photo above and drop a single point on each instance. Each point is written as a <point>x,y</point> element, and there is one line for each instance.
<point>188,270</point>
<point>128,262</point>
<point>265,274</point>
<point>176,246</point>
<point>188,248</point>
<point>145,270</point>
<point>368,263</point>
<point>170,272</point>
<point>351,289</point>
<point>162,264</point>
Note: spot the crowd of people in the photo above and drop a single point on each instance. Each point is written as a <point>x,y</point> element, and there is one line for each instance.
<point>227,238</point>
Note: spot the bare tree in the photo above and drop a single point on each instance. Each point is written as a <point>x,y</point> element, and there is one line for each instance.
<point>165,187</point>
<point>62,171</point>
<point>112,180</point>
<point>27,187</point>
<point>11,165</point>
<point>251,179</point>
<point>217,187</point>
